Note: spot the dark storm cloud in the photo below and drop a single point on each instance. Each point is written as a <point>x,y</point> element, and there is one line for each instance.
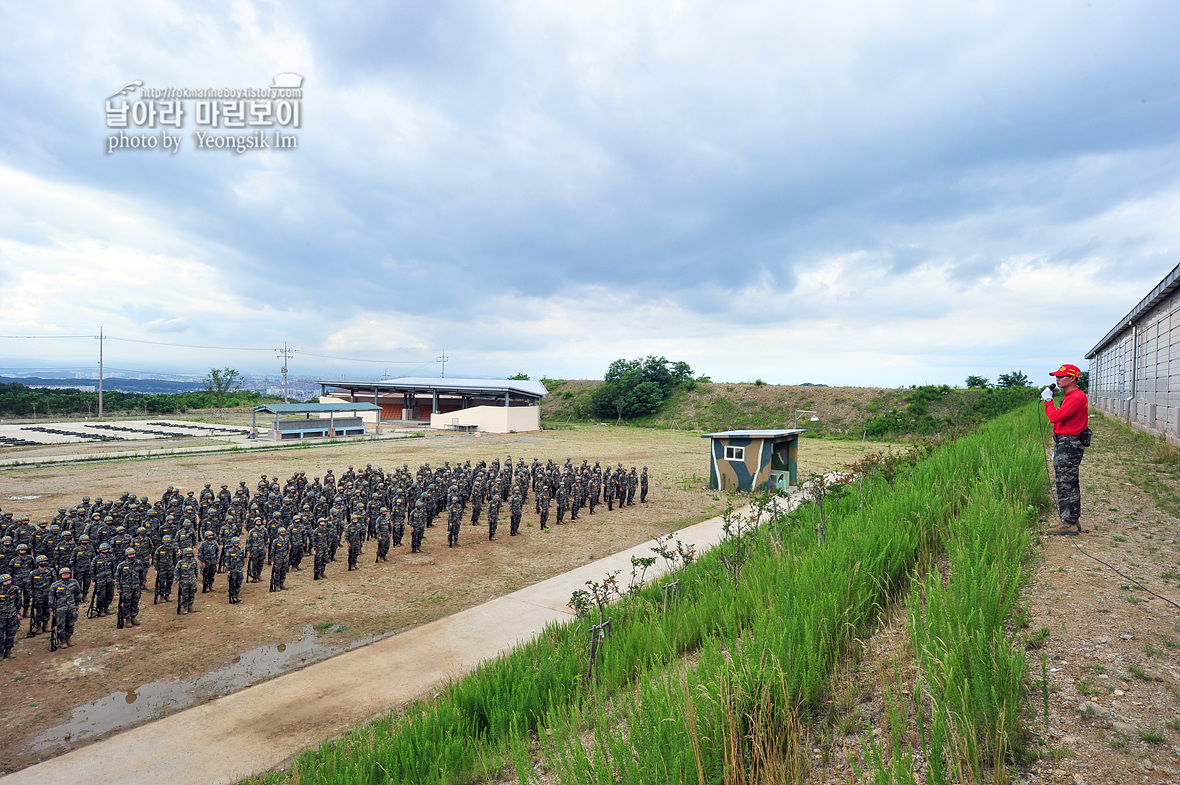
<point>696,158</point>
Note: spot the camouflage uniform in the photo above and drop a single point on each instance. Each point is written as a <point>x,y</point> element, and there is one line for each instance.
<point>10,605</point>
<point>1067,463</point>
<point>187,570</point>
<point>235,565</point>
<point>320,540</point>
<point>64,596</point>
<point>515,510</point>
<point>542,498</point>
<point>454,521</point>
<point>563,503</point>
<point>40,580</point>
<point>84,564</point>
<point>643,486</point>
<point>208,555</point>
<point>280,558</point>
<point>383,531</point>
<point>417,526</point>
<point>103,568</point>
<point>399,521</point>
<point>256,547</point>
<point>165,561</point>
<point>127,583</point>
<point>355,534</point>
<point>494,512</point>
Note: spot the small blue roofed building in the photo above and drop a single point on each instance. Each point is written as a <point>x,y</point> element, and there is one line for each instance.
<point>754,460</point>
<point>331,419</point>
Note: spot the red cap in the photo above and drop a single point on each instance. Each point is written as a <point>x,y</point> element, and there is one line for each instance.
<point>1067,370</point>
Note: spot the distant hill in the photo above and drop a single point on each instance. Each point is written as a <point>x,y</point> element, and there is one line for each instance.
<point>148,386</point>
<point>842,411</point>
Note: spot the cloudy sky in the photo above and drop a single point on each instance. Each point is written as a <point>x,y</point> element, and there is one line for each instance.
<point>868,193</point>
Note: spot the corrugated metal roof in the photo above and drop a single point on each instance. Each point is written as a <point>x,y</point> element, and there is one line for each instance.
<point>1170,283</point>
<point>764,433</point>
<point>305,408</point>
<point>528,389</point>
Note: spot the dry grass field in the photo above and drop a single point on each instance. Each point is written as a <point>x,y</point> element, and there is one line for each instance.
<point>40,689</point>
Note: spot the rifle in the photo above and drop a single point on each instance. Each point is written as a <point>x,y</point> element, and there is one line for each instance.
<point>156,592</point>
<point>53,631</point>
<point>221,560</point>
<point>274,576</point>
<point>32,620</point>
<point>179,593</point>
<point>92,612</point>
<point>119,623</point>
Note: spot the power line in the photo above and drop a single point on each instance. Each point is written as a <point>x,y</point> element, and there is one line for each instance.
<point>48,336</point>
<point>192,345</point>
<point>363,360</point>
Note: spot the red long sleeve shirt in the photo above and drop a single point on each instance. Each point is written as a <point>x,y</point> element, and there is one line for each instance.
<point>1071,417</point>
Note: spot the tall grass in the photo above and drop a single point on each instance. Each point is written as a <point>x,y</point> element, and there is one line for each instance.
<point>758,653</point>
<point>733,715</point>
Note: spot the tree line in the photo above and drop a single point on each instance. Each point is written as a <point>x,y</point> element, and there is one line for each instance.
<point>17,400</point>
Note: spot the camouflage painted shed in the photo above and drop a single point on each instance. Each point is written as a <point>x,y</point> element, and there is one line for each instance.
<point>754,460</point>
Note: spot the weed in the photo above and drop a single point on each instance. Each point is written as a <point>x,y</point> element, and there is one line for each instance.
<point>1037,639</point>
<point>1060,753</point>
<point>1151,651</point>
<point>1086,687</point>
<point>1118,741</point>
<point>1151,736</point>
<point>1174,724</point>
<point>1139,673</point>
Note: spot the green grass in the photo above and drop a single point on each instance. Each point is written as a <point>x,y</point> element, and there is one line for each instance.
<point>1037,639</point>
<point>763,647</point>
<point>1151,736</point>
<point>1139,673</point>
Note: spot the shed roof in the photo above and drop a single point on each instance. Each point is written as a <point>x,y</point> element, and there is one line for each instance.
<point>1165,287</point>
<point>305,408</point>
<point>763,433</point>
<point>528,389</point>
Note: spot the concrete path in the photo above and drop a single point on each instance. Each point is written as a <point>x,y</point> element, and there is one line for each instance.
<point>256,729</point>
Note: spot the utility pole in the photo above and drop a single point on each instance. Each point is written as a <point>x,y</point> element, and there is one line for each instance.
<point>442,358</point>
<point>285,353</point>
<point>100,372</point>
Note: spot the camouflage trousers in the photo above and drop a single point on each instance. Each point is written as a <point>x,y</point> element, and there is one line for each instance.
<point>1067,462</point>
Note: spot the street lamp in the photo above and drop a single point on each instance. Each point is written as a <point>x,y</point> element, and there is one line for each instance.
<point>814,416</point>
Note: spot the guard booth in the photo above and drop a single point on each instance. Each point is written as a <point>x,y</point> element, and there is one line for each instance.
<point>754,460</point>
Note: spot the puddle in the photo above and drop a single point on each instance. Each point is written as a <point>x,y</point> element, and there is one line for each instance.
<point>157,698</point>
<point>22,498</point>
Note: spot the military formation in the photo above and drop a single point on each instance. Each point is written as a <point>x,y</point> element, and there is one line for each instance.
<point>104,550</point>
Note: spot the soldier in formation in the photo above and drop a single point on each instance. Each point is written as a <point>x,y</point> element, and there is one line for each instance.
<point>208,554</point>
<point>10,613</point>
<point>128,584</point>
<point>65,595</point>
<point>235,565</point>
<point>187,570</point>
<point>110,545</point>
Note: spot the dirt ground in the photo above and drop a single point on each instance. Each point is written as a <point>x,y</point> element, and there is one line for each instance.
<point>39,690</point>
<point>1111,650</point>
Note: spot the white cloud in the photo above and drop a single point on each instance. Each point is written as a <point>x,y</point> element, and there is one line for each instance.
<point>177,325</point>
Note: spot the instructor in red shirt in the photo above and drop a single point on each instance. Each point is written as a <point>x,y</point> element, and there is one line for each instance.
<point>1069,420</point>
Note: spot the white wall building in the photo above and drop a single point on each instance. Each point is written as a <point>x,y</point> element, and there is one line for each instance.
<point>1131,369</point>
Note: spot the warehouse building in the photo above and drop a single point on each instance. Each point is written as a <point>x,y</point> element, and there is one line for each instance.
<point>1131,373</point>
<point>490,405</point>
